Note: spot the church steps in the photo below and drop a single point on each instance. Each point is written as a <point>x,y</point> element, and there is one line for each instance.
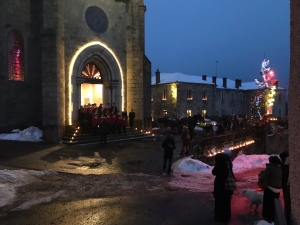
<point>79,139</point>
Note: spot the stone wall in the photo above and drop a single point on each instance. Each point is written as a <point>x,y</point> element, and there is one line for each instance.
<point>55,34</point>
<point>53,71</point>
<point>21,101</point>
<point>294,108</point>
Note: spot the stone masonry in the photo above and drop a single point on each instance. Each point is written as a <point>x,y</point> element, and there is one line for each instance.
<point>294,109</point>
<point>58,43</point>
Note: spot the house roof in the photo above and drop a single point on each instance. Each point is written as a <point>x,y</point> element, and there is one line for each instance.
<point>180,77</point>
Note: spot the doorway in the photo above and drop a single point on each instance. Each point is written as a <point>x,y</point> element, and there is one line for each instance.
<point>91,93</point>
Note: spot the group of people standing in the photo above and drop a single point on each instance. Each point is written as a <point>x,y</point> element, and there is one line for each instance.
<point>275,177</point>
<point>100,120</point>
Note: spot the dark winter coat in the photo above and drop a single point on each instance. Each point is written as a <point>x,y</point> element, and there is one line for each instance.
<point>131,115</point>
<point>104,126</point>
<point>221,172</point>
<point>168,145</point>
<point>273,175</point>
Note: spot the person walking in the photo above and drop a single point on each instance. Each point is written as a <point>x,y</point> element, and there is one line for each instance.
<point>131,119</point>
<point>223,166</point>
<point>273,178</point>
<point>104,130</point>
<point>168,145</point>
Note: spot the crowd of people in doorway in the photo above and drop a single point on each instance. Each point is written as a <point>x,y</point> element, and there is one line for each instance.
<point>103,120</point>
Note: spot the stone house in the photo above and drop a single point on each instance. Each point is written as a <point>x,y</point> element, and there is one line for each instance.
<point>181,95</point>
<point>58,55</point>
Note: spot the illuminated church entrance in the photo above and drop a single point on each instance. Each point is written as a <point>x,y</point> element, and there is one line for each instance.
<point>95,77</point>
<point>92,88</point>
<point>91,93</point>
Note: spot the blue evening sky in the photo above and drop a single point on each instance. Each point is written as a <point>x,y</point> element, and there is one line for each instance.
<point>189,36</point>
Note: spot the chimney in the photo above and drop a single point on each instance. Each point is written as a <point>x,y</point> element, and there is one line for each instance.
<point>157,75</point>
<point>237,83</point>
<point>214,80</point>
<point>276,84</point>
<point>203,77</point>
<point>240,83</point>
<point>225,82</point>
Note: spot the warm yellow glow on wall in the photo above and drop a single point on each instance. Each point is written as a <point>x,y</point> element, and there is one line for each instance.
<point>77,53</point>
<point>271,97</point>
<point>174,91</point>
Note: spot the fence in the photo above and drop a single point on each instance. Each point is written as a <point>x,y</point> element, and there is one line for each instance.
<point>207,146</point>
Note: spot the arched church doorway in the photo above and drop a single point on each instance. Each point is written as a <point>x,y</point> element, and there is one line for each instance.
<point>95,76</point>
<point>92,88</point>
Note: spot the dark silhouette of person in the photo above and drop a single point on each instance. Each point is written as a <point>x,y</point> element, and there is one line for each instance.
<point>168,145</point>
<point>104,130</point>
<point>285,161</point>
<point>131,119</point>
<point>223,166</point>
<point>273,176</point>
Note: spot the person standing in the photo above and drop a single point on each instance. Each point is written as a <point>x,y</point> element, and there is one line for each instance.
<point>185,138</point>
<point>273,177</point>
<point>123,125</point>
<point>96,122</point>
<point>104,130</point>
<point>168,145</point>
<point>131,119</point>
<point>114,108</point>
<point>223,166</point>
<point>285,162</point>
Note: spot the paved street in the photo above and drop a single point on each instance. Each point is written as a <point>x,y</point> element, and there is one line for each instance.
<point>118,184</point>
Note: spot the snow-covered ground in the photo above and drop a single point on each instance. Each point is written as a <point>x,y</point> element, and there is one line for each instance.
<point>190,174</point>
<point>33,134</point>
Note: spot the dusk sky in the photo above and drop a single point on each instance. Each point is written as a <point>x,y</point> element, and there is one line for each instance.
<point>189,36</point>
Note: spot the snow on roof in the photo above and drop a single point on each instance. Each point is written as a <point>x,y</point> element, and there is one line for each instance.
<point>180,77</point>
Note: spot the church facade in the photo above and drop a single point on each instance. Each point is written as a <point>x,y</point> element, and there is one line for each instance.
<point>58,55</point>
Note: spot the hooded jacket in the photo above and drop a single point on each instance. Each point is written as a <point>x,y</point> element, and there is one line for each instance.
<point>273,175</point>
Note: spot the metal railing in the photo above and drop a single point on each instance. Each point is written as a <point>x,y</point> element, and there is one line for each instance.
<point>204,145</point>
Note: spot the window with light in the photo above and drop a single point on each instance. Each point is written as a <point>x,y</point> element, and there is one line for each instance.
<point>204,94</point>
<point>203,112</point>
<point>164,97</point>
<point>15,56</point>
<point>189,112</point>
<point>91,71</point>
<point>189,95</point>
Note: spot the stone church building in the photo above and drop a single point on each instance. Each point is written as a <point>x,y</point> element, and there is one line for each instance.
<point>56,55</point>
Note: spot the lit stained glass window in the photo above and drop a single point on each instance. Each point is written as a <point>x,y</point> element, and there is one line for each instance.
<point>15,56</point>
<point>91,71</point>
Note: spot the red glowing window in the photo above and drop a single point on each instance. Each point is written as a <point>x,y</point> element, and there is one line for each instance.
<point>15,56</point>
<point>91,71</point>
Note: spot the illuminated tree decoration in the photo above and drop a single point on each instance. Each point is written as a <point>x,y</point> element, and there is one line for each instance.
<point>91,71</point>
<point>265,99</point>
